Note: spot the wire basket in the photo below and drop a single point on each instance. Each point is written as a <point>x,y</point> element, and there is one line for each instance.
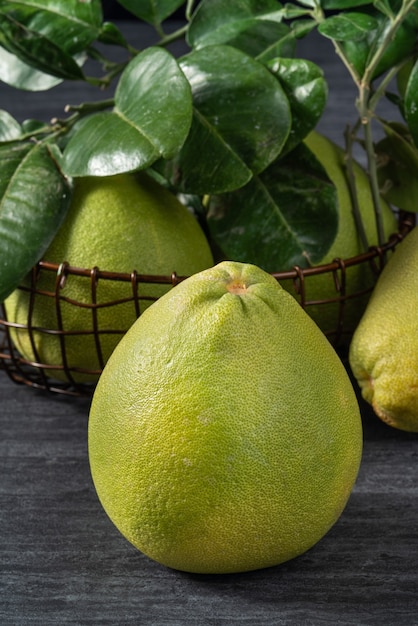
<point>137,291</point>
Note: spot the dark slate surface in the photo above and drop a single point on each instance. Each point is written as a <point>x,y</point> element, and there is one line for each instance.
<point>63,562</point>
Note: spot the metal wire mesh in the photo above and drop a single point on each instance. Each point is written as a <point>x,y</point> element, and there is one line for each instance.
<point>139,290</point>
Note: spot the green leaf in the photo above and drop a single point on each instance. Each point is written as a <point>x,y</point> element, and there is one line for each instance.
<point>343,4</point>
<point>205,164</point>
<point>307,90</point>
<point>402,77</point>
<point>32,126</point>
<point>411,103</point>
<point>111,35</point>
<point>286,216</point>
<point>401,46</point>
<point>359,52</point>
<point>384,6</point>
<point>34,198</point>
<point>397,160</point>
<point>70,24</point>
<point>240,124</point>
<point>249,25</point>
<point>22,76</point>
<point>41,37</point>
<point>152,11</point>
<point>280,41</point>
<point>36,50</point>
<point>9,128</point>
<point>291,11</point>
<point>301,28</point>
<point>151,119</point>
<point>347,26</point>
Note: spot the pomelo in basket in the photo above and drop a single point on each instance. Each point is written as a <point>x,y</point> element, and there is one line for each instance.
<point>347,243</point>
<point>224,433</point>
<point>119,224</point>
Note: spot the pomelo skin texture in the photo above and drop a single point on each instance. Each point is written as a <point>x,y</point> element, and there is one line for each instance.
<point>347,243</point>
<point>384,350</point>
<point>224,433</point>
<point>119,224</point>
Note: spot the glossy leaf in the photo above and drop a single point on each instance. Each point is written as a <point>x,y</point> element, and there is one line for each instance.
<point>347,26</point>
<point>18,74</point>
<point>205,164</point>
<point>249,25</point>
<point>36,50</point>
<point>150,119</point>
<point>111,35</point>
<point>69,24</point>
<point>398,167</point>
<point>152,11</point>
<point>34,198</point>
<point>359,52</point>
<point>307,90</point>
<point>43,40</point>
<point>9,128</point>
<point>240,124</point>
<point>262,39</point>
<point>401,46</point>
<point>286,216</point>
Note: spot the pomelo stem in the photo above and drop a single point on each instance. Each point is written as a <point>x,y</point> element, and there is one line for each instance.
<point>237,287</point>
<point>353,189</point>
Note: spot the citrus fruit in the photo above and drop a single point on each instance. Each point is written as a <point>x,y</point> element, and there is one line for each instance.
<point>347,243</point>
<point>224,434</point>
<point>118,224</point>
<point>383,352</point>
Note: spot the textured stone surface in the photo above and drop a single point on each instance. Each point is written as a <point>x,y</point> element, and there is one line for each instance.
<point>63,562</point>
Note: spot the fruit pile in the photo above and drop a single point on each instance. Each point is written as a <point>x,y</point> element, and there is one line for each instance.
<point>224,432</point>
<point>126,222</point>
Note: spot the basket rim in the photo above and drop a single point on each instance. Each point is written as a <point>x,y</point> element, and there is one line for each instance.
<point>407,222</point>
<point>35,374</point>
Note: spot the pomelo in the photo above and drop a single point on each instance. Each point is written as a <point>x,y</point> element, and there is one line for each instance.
<point>383,351</point>
<point>118,224</point>
<point>224,434</point>
<point>347,243</point>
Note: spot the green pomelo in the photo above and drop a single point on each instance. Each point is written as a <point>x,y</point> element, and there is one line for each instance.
<point>224,433</point>
<point>118,224</point>
<point>347,244</point>
<point>384,351</point>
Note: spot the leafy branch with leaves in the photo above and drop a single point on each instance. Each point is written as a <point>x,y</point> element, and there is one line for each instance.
<point>230,115</point>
